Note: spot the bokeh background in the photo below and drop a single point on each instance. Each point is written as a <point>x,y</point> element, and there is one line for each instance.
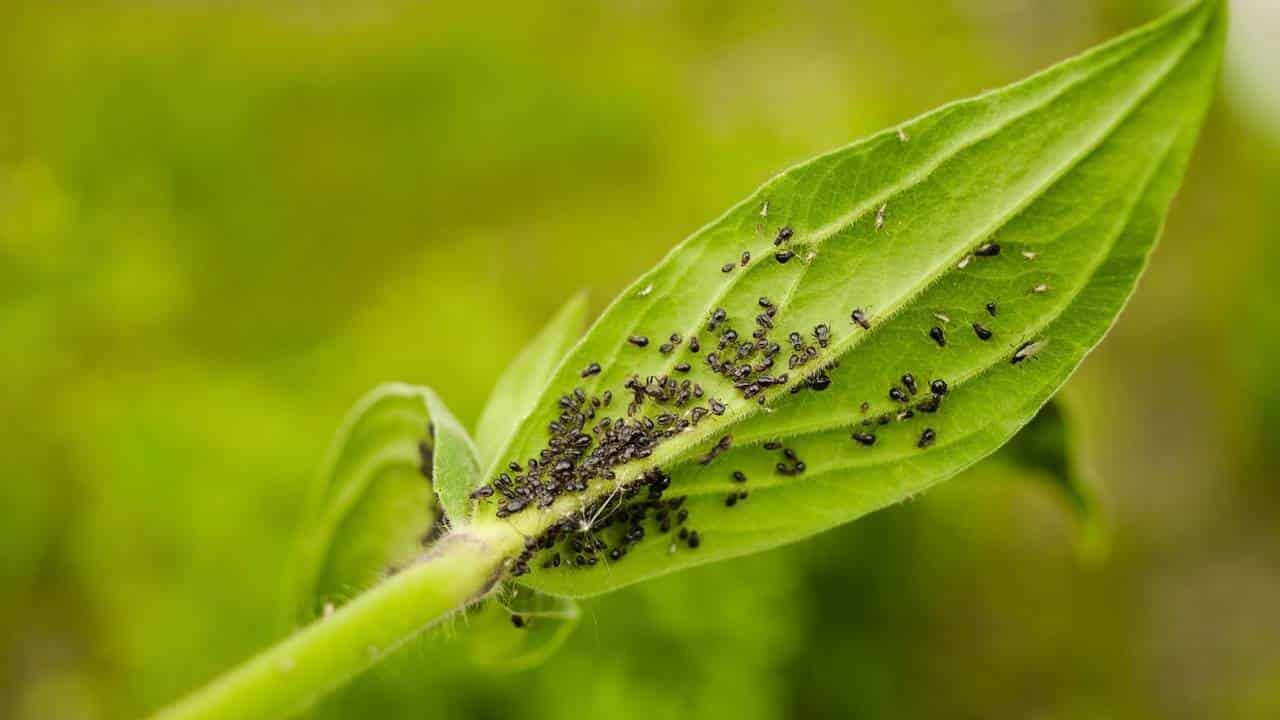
<point>220,224</point>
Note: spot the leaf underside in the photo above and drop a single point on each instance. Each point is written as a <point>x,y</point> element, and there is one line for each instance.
<point>1069,173</point>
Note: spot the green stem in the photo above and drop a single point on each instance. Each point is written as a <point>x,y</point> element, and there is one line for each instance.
<point>291,676</point>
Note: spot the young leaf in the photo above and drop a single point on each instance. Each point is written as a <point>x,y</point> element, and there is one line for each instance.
<point>989,244</point>
<point>399,468</point>
<point>1048,448</point>
<point>515,393</point>
<point>519,629</point>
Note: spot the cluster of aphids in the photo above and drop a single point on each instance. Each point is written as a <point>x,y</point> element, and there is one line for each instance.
<point>610,526</point>
<point>585,442</point>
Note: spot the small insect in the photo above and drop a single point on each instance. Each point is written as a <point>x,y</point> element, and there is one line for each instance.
<point>682,367</point>
<point>694,346</point>
<point>773,445</point>
<point>896,394</point>
<point>981,331</point>
<point>592,369</point>
<point>910,381</point>
<point>860,318</point>
<point>727,267</point>
<point>926,438</point>
<point>864,407</point>
<point>880,215</point>
<point>865,439</point>
<point>938,387</point>
<point>1029,255</point>
<point>987,250</point>
<point>938,336</point>
<point>784,234</point>
<point>783,256</point>
<point>1041,288</point>
<point>964,262</point>
<point>1027,350</point>
<point>739,476</point>
<point>823,334</point>
<point>638,340</point>
<point>746,258</point>
<point>517,621</point>
<point>991,309</point>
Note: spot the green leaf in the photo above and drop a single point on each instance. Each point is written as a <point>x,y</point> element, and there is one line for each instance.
<point>521,384</point>
<point>1069,172</point>
<point>1048,449</point>
<point>374,503</point>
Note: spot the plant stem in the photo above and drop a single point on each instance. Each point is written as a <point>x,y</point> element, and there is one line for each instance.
<point>292,675</point>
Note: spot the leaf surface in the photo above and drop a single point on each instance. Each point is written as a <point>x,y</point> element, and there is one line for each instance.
<point>1068,173</point>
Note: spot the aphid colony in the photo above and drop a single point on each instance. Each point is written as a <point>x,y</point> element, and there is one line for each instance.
<point>585,443</point>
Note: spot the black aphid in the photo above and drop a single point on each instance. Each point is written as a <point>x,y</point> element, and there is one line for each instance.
<point>910,381</point>
<point>682,367</point>
<point>718,316</point>
<point>518,621</point>
<point>731,499</point>
<point>987,250</point>
<point>860,318</point>
<point>866,439</point>
<point>764,302</point>
<point>592,369</point>
<point>746,258</point>
<point>717,407</point>
<point>931,405</point>
<point>991,309</point>
<point>982,332</point>
<point>822,333</point>
<point>638,340</point>
<point>938,336</point>
<point>773,445</point>
<point>864,407</point>
<point>693,344</point>
<point>665,348</point>
<point>694,541</point>
<point>783,256</point>
<point>938,387</point>
<point>896,394</point>
<point>926,438</point>
<point>727,267</point>
<point>784,234</point>
<point>739,476</point>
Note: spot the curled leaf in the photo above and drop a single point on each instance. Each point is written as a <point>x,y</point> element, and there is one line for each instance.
<point>397,473</point>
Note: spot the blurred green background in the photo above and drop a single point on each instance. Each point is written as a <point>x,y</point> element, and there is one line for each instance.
<point>220,224</point>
